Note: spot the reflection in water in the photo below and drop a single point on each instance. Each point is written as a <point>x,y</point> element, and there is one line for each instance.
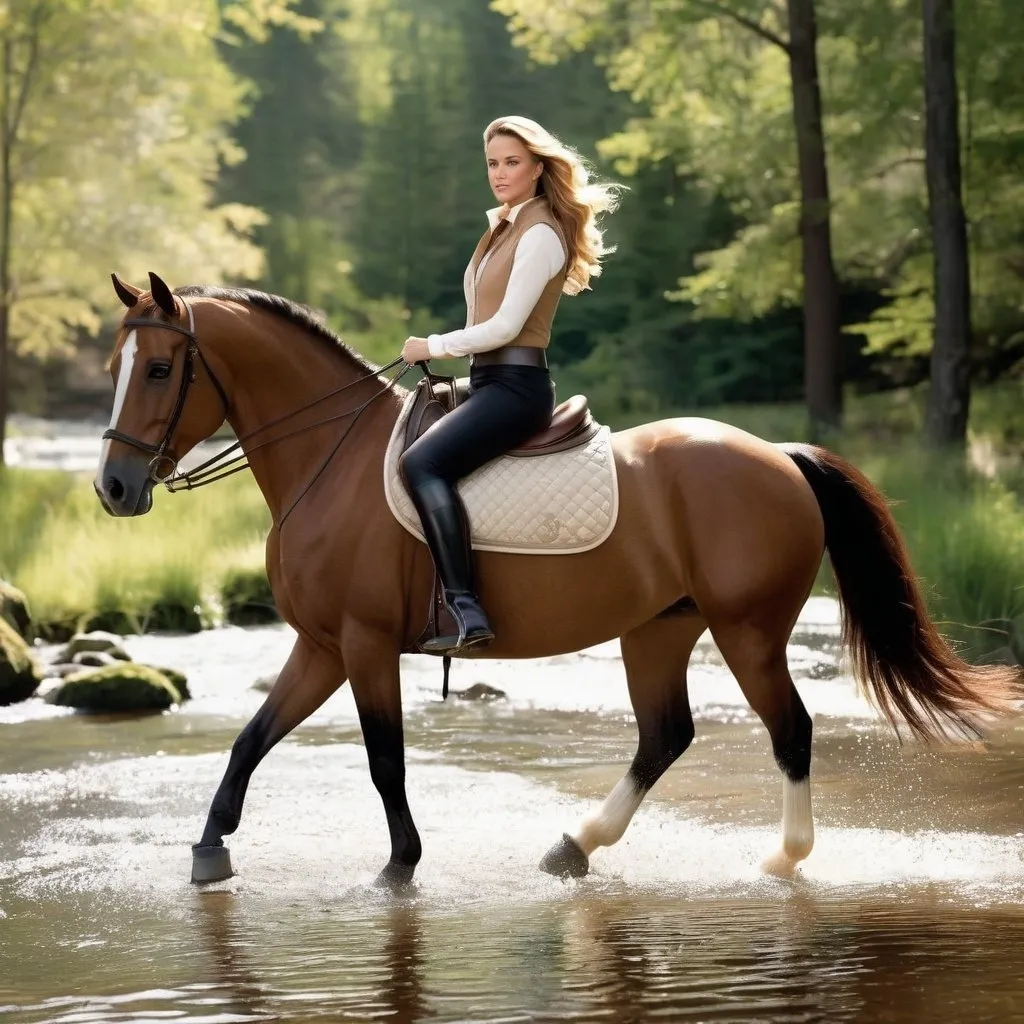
<point>331,964</point>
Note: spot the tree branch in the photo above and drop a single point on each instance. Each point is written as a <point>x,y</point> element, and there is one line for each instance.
<point>26,79</point>
<point>712,7</point>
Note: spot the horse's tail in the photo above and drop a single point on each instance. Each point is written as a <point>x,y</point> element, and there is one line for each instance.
<point>907,668</point>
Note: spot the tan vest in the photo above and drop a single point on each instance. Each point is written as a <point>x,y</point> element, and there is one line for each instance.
<point>490,288</point>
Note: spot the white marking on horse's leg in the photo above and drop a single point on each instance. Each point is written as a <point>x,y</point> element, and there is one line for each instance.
<point>607,825</point>
<point>797,828</point>
<point>124,376</point>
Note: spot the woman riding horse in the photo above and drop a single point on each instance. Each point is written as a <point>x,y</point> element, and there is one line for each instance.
<point>542,241</point>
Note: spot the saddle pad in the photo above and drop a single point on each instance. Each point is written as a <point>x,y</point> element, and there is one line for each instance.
<point>541,505</point>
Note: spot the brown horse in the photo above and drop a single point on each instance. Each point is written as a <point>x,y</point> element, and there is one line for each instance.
<point>716,530</point>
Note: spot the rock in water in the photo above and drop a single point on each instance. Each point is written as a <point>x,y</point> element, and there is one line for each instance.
<point>105,643</point>
<point>19,673</point>
<point>126,687</point>
<point>93,659</point>
<point>176,679</point>
<point>14,609</point>
<point>481,691</point>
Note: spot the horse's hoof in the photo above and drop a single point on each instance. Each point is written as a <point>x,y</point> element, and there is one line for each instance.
<point>395,876</point>
<point>565,859</point>
<point>210,864</point>
<point>779,865</point>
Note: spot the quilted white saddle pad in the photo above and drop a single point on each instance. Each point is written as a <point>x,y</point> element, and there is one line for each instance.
<point>545,504</point>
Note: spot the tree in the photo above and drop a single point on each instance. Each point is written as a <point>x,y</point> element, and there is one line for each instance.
<point>113,128</point>
<point>949,397</point>
<point>706,59</point>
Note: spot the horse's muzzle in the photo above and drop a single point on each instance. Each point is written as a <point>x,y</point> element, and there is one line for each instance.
<point>125,487</point>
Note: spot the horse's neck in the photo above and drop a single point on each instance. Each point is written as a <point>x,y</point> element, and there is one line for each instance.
<point>285,383</point>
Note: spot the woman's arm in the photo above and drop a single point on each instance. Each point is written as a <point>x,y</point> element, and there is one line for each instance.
<point>539,257</point>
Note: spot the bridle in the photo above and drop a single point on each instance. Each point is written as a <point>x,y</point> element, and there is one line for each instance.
<point>220,466</point>
<point>188,377</point>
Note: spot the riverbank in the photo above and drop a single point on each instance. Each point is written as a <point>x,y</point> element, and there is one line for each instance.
<point>197,559</point>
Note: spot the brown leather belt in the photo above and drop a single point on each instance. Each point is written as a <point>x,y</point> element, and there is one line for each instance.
<point>511,355</point>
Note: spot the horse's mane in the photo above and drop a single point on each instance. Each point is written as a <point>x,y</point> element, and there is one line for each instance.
<point>294,312</point>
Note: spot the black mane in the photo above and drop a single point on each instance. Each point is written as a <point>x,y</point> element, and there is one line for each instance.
<point>294,312</point>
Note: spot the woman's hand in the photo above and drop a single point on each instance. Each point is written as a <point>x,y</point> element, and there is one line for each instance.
<point>415,350</point>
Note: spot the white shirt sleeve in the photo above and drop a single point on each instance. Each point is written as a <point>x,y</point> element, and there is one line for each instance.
<point>539,257</point>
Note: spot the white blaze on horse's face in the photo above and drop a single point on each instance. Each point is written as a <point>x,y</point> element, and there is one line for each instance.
<point>124,376</point>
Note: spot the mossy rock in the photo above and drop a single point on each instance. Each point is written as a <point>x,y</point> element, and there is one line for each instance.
<point>19,673</point>
<point>247,598</point>
<point>177,680</point>
<point>123,687</point>
<point>14,610</point>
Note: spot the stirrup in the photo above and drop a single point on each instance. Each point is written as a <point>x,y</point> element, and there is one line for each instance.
<point>454,643</point>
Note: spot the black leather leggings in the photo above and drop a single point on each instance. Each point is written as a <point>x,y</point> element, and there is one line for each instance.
<point>506,406</point>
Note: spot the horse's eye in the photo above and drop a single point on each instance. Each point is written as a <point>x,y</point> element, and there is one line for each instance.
<point>159,371</point>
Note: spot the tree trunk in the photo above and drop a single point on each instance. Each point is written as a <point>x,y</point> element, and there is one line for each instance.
<point>950,394</point>
<point>822,335</point>
<point>6,210</point>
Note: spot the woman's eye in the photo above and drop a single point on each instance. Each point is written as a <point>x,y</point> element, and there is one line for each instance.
<point>160,371</point>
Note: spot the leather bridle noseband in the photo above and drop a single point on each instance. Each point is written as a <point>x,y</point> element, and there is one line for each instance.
<point>217,467</point>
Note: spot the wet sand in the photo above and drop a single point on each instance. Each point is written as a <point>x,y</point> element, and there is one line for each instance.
<point>911,906</point>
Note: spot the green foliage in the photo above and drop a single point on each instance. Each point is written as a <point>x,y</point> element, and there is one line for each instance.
<point>82,569</point>
<point>122,119</point>
<point>246,597</point>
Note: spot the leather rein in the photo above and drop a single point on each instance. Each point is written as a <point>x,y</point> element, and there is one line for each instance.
<point>220,466</point>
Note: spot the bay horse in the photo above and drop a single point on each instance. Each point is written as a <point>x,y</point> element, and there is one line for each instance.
<point>717,530</point>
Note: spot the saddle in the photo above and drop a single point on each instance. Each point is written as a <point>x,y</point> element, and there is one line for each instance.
<point>437,395</point>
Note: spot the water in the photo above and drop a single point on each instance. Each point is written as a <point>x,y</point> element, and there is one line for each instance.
<point>911,906</point>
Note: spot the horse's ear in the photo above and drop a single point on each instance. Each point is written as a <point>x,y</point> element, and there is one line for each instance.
<point>127,293</point>
<point>162,294</point>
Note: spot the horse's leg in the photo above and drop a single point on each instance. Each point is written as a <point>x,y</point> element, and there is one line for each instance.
<point>756,655</point>
<point>372,660</point>
<point>310,675</point>
<point>655,656</point>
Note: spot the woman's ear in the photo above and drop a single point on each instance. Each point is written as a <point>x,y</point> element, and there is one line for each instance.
<point>539,171</point>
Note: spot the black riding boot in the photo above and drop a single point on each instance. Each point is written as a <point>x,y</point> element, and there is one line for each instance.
<point>447,535</point>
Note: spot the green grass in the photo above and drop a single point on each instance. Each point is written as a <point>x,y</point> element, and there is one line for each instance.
<point>80,568</point>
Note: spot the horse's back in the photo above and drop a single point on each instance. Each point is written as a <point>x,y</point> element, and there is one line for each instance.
<point>743,505</point>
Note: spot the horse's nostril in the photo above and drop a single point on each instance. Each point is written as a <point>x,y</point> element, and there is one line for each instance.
<point>115,489</point>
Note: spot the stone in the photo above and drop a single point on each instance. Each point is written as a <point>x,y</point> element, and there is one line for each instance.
<point>121,687</point>
<point>106,643</point>
<point>93,659</point>
<point>264,684</point>
<point>14,610</point>
<point>481,691</point>
<point>19,672</point>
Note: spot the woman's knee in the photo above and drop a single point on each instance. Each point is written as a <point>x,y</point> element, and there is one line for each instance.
<point>416,467</point>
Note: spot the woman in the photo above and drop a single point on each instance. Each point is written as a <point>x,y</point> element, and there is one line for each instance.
<point>541,241</point>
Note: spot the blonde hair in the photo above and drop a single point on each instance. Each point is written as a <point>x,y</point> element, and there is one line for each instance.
<point>575,200</point>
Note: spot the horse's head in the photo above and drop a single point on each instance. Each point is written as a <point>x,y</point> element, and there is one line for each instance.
<point>159,414</point>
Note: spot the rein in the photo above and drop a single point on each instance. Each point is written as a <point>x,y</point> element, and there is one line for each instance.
<point>219,466</point>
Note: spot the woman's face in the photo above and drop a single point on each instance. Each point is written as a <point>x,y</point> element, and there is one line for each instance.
<point>512,170</point>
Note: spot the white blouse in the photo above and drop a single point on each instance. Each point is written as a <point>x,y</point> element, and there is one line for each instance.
<point>538,258</point>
